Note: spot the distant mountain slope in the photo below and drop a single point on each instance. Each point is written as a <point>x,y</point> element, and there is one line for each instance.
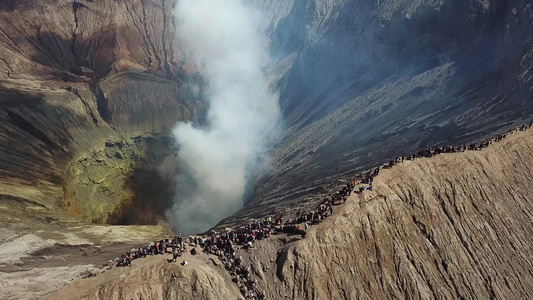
<point>363,82</point>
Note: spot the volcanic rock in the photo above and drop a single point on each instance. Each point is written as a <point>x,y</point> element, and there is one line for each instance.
<point>456,226</point>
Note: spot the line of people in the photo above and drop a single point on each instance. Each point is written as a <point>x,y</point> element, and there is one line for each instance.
<point>432,151</point>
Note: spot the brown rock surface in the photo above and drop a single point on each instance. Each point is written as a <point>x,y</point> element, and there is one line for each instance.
<point>155,278</point>
<point>457,226</point>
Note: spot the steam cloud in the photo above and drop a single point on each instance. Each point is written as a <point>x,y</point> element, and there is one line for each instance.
<point>216,163</point>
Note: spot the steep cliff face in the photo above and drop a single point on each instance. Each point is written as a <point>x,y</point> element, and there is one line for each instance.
<point>76,39</point>
<point>453,227</point>
<point>457,226</point>
<point>77,77</point>
<point>363,81</point>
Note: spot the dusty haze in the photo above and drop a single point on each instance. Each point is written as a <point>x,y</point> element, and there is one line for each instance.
<point>218,160</point>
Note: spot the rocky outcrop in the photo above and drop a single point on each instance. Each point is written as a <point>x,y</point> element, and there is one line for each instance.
<point>121,182</point>
<point>155,278</point>
<point>452,227</point>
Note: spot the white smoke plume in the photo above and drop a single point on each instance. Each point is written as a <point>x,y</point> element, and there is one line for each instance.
<point>216,162</point>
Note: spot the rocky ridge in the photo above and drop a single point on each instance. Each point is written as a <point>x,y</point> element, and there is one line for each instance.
<point>449,227</point>
<point>456,226</point>
<point>155,278</point>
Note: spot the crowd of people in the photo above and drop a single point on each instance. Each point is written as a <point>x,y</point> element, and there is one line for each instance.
<point>177,246</point>
<point>225,245</point>
<point>439,149</point>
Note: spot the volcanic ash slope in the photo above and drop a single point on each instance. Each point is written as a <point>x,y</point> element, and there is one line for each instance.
<point>457,226</point>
